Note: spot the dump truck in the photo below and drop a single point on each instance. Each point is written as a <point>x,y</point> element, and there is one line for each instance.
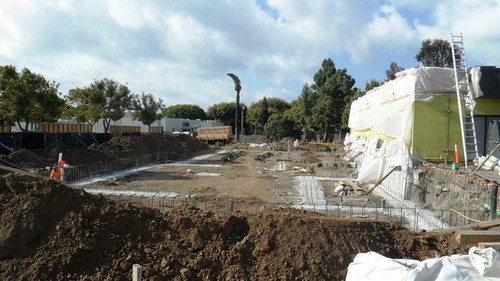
<point>214,134</point>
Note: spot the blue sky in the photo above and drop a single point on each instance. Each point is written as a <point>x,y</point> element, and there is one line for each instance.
<point>181,50</point>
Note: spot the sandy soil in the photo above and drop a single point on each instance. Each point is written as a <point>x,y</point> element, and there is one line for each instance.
<point>242,179</point>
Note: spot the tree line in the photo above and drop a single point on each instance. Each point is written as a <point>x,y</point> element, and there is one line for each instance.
<point>321,108</point>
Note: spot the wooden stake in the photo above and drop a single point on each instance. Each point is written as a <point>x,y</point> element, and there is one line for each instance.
<point>136,272</point>
<point>380,181</point>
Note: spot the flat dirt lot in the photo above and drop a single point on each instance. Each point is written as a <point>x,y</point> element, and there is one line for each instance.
<point>51,231</point>
<point>244,178</point>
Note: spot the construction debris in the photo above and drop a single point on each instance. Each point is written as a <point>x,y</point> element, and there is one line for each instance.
<point>306,170</point>
<point>262,157</point>
<point>349,188</point>
<point>232,155</point>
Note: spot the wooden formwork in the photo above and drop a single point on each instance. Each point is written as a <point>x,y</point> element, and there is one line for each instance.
<point>217,133</point>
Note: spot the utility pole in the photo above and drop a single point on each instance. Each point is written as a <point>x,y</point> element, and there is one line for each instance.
<point>242,119</point>
<point>237,88</point>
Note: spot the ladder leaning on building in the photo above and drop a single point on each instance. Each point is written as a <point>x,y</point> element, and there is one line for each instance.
<point>465,100</point>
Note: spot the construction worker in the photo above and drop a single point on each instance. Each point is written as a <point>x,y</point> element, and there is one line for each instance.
<point>296,144</point>
<point>55,173</point>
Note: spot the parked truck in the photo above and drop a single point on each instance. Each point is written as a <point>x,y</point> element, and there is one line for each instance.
<point>214,134</point>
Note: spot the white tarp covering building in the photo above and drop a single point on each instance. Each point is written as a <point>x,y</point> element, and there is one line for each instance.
<point>416,113</point>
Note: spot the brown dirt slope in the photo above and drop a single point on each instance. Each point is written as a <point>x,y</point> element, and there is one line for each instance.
<point>121,147</point>
<point>115,148</point>
<point>49,231</point>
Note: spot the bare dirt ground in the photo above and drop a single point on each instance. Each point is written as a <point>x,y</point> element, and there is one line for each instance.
<point>241,179</point>
<point>50,231</point>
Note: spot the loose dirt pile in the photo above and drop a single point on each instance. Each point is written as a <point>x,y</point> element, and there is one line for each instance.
<point>24,158</point>
<point>121,147</point>
<point>115,148</point>
<point>49,231</point>
<point>308,157</point>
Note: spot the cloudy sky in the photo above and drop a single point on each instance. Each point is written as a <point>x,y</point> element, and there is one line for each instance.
<point>181,50</point>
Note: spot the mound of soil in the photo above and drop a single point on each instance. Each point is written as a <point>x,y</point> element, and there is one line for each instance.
<point>49,231</point>
<point>115,148</point>
<point>263,140</point>
<point>315,147</point>
<point>24,158</point>
<point>72,155</point>
<point>308,157</point>
<point>122,147</point>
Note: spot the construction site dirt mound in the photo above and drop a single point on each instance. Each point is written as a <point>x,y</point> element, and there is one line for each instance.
<point>49,231</point>
<point>24,158</point>
<point>71,154</point>
<point>115,148</point>
<point>308,157</point>
<point>122,147</point>
<point>315,147</point>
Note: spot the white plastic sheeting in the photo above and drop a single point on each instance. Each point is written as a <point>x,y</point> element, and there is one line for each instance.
<point>388,109</point>
<point>492,163</point>
<point>377,160</point>
<point>479,264</point>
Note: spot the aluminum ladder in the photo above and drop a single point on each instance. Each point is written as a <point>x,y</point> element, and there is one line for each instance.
<point>465,100</point>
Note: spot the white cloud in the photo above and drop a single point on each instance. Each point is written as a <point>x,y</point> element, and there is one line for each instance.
<point>181,50</point>
<point>478,21</point>
<point>413,4</point>
<point>388,31</point>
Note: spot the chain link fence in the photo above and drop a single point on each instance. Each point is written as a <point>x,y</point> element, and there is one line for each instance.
<point>411,218</point>
<point>80,172</point>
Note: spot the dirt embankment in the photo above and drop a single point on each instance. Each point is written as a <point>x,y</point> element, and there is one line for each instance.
<point>115,148</point>
<point>49,231</point>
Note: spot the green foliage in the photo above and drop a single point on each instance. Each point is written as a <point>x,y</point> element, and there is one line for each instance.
<point>302,110</point>
<point>393,69</point>
<point>147,109</point>
<point>372,84</point>
<point>282,125</point>
<point>225,112</point>
<point>82,109</point>
<point>186,111</point>
<point>435,52</point>
<point>257,117</point>
<point>334,89</point>
<point>265,111</point>
<point>104,99</point>
<point>28,97</point>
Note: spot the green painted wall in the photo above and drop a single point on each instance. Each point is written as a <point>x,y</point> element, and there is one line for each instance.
<point>434,130</point>
<point>487,107</point>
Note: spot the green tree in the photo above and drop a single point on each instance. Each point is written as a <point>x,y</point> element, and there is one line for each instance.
<point>282,124</point>
<point>83,106</point>
<point>368,86</point>
<point>393,69</point>
<point>186,111</point>
<point>105,99</point>
<point>334,88</point>
<point>372,84</point>
<point>224,112</point>
<point>28,97</point>
<point>265,110</point>
<point>435,52</point>
<point>147,109</point>
<point>8,75</point>
<point>259,112</point>
<point>302,110</point>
